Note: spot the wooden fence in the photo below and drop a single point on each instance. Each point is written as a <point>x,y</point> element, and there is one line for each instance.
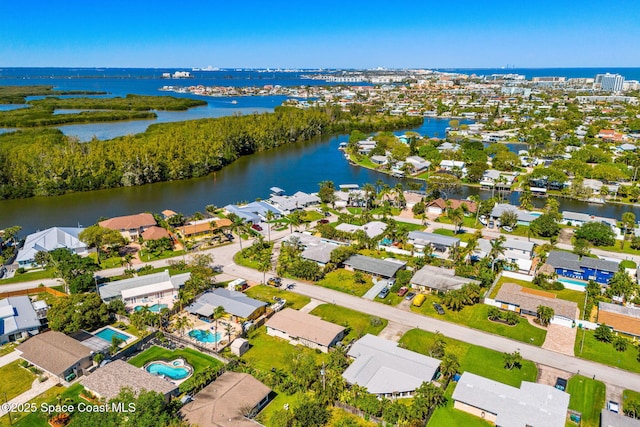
<point>33,291</point>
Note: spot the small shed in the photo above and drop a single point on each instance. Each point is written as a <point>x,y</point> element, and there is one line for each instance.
<point>239,346</point>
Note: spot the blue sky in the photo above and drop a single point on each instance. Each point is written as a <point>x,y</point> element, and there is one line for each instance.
<point>358,34</point>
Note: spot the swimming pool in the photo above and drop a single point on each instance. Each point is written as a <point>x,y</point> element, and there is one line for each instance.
<point>154,308</point>
<point>175,370</point>
<point>108,333</point>
<point>576,285</point>
<point>205,336</point>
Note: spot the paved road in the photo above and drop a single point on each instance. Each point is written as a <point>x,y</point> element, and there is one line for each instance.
<point>224,255</point>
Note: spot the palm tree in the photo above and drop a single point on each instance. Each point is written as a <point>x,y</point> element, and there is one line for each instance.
<point>228,329</point>
<point>545,314</point>
<point>295,219</point>
<point>269,217</point>
<point>370,193</point>
<point>476,199</point>
<point>449,366</point>
<point>218,312</point>
<point>497,249</point>
<point>525,199</point>
<point>237,225</point>
<point>457,218</point>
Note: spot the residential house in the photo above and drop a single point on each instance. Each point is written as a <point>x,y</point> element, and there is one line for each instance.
<point>447,146</point>
<point>130,226</point>
<point>610,135</point>
<point>237,304</point>
<point>438,279</point>
<point>204,227</point>
<point>496,179</point>
<point>152,289</point>
<point>155,233</point>
<point>517,252</point>
<point>107,381</point>
<point>418,164</point>
<point>379,160</point>
<point>612,419</point>
<point>49,240</point>
<point>304,329</point>
<point>229,401</point>
<point>57,354</point>
<point>254,212</point>
<point>20,318</point>
<point>314,248</point>
<point>567,264</point>
<point>507,406</point>
<point>387,370</point>
<point>440,206</point>
<point>383,268</point>
<point>298,201</point>
<point>524,217</point>
<point>578,219</point>
<point>454,166</point>
<point>526,301</point>
<point>168,213</point>
<point>372,229</point>
<point>441,245</point>
<point>624,319</point>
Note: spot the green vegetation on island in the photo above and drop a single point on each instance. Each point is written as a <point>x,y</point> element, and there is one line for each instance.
<point>18,94</point>
<point>44,162</point>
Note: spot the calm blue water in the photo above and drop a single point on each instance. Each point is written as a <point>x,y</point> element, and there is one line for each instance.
<point>155,308</point>
<point>107,334</point>
<point>205,336</point>
<point>173,372</point>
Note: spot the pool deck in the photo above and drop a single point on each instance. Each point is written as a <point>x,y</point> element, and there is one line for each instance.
<point>169,300</point>
<point>205,326</point>
<point>128,341</point>
<point>170,364</point>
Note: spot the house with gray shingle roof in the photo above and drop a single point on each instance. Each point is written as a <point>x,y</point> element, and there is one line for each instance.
<point>438,279</point>
<point>507,406</point>
<point>387,370</point>
<point>441,244</point>
<point>57,354</point>
<point>234,303</point>
<point>374,266</point>
<point>567,264</point>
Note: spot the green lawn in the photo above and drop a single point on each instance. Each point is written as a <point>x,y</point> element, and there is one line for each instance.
<point>15,380</point>
<point>29,276</point>
<point>476,317</point>
<point>391,299</point>
<point>468,221</point>
<point>604,353</point>
<point>448,416</point>
<point>266,293</point>
<point>270,352</point>
<point>410,226</point>
<point>264,417</point>
<point>565,294</point>
<point>312,216</point>
<point>629,395</point>
<point>475,359</point>
<point>68,396</point>
<point>342,280</point>
<point>198,360</point>
<point>146,255</point>
<point>465,237</point>
<point>7,348</point>
<point>587,397</point>
<point>357,323</point>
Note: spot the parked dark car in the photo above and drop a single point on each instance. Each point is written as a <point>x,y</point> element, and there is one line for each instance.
<point>561,384</point>
<point>410,296</point>
<point>327,213</point>
<point>256,227</point>
<point>383,293</point>
<point>438,308</point>
<point>323,221</point>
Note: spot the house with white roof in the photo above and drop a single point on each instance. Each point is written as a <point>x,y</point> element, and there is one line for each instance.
<point>158,289</point>
<point>19,318</point>
<point>49,240</point>
<point>517,251</point>
<point>297,201</point>
<point>507,406</point>
<point>453,165</point>
<point>440,244</point>
<point>524,217</point>
<point>418,164</point>
<point>234,303</point>
<point>254,212</point>
<point>373,229</point>
<point>387,370</point>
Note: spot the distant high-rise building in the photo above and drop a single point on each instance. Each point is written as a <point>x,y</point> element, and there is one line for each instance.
<point>609,82</point>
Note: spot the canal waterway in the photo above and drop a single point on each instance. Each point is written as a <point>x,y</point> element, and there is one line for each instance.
<point>294,167</point>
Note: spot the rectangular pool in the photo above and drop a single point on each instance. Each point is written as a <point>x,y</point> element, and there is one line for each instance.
<point>108,333</point>
<point>576,285</point>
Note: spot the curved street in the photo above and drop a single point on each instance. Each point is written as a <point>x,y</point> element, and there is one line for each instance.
<point>223,255</point>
